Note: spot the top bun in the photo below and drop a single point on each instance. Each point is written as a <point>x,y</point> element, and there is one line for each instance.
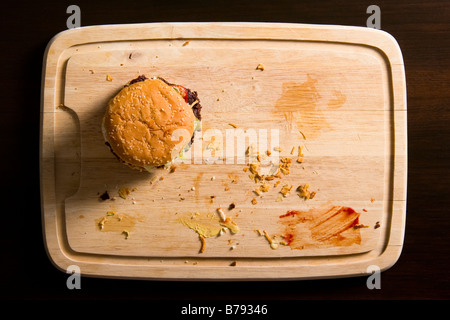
<point>148,123</point>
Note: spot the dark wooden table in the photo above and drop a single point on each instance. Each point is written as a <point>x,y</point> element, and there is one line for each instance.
<point>422,29</point>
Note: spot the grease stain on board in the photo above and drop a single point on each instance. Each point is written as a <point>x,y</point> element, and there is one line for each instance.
<point>302,107</point>
<point>117,222</point>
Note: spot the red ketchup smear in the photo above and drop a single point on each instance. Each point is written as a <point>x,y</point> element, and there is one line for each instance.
<point>290,213</point>
<point>288,238</point>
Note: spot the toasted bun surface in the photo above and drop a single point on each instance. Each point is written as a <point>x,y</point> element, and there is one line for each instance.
<point>148,123</point>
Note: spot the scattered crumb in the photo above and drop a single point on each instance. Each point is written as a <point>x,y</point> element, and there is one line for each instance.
<point>260,67</point>
<point>257,191</point>
<point>254,201</point>
<point>377,225</point>
<point>203,242</point>
<point>265,187</point>
<point>372,200</point>
<point>231,206</point>
<point>292,150</point>
<point>360,225</point>
<point>221,214</point>
<point>91,71</point>
<point>213,178</point>
<point>277,149</point>
<point>172,168</point>
<point>286,189</point>
<point>153,180</point>
<point>109,78</point>
<point>233,264</point>
<point>227,188</point>
<point>124,192</point>
<point>233,125</point>
<point>105,196</point>
<point>101,223</point>
<point>304,137</point>
<point>186,43</point>
<point>268,152</point>
<point>126,233</point>
<point>300,159</point>
<point>304,192</point>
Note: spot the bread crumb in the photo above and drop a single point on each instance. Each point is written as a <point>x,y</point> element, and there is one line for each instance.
<point>265,187</point>
<point>109,78</point>
<point>254,201</point>
<point>186,43</point>
<point>305,193</point>
<point>285,190</point>
<point>233,125</point>
<point>260,67</point>
<point>257,191</point>
<point>124,192</point>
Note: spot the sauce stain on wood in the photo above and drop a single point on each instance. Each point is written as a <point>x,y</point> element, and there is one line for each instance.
<point>321,228</point>
<point>117,222</point>
<point>301,105</point>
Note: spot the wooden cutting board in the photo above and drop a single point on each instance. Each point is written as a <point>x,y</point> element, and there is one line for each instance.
<point>337,93</point>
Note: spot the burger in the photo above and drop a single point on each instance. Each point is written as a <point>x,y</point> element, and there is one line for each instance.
<point>150,122</point>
